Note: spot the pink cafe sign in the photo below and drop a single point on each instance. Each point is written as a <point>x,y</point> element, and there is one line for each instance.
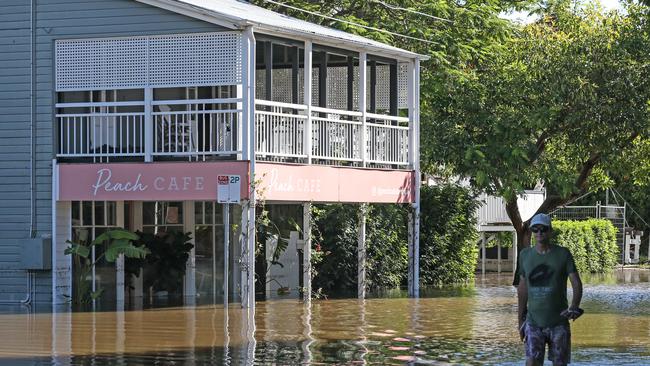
<point>147,181</point>
<point>287,182</point>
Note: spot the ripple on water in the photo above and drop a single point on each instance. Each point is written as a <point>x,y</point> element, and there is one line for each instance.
<point>475,326</point>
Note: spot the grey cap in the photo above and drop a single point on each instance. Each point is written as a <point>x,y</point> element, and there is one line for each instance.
<point>541,219</point>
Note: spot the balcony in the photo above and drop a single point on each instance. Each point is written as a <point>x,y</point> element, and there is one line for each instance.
<point>209,129</point>
<point>492,211</point>
<point>334,137</point>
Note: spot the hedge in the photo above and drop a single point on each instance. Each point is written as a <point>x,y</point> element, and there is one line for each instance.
<point>592,243</point>
<point>448,237</point>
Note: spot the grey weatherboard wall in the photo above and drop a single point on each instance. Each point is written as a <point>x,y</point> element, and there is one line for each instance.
<point>54,19</point>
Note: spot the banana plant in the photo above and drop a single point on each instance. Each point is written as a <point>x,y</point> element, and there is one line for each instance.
<point>115,242</point>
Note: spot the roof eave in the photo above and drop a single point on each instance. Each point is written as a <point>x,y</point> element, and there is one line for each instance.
<point>233,22</point>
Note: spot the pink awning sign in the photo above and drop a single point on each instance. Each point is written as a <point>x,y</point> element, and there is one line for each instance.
<point>147,181</point>
<point>317,183</point>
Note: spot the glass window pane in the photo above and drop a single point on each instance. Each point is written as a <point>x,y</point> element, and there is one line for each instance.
<point>76,219</point>
<point>198,212</point>
<point>209,207</point>
<point>218,213</point>
<point>173,214</point>
<point>149,213</point>
<point>99,213</point>
<point>87,213</point>
<point>81,235</point>
<point>111,213</point>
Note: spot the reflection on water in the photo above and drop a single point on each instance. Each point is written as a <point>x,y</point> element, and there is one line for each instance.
<point>471,325</point>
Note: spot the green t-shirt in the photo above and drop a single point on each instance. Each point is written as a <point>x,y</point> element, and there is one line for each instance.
<point>546,277</point>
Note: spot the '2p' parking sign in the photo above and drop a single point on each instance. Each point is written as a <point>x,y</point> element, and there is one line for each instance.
<point>228,188</point>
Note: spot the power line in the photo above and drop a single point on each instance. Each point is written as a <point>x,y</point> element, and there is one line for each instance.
<point>394,7</point>
<point>349,22</point>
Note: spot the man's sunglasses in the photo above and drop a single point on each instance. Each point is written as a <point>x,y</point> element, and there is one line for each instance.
<point>539,229</point>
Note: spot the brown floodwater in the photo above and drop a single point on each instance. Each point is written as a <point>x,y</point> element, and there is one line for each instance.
<point>456,325</point>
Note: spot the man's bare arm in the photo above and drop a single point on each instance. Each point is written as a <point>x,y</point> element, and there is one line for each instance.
<point>574,311</point>
<point>576,284</point>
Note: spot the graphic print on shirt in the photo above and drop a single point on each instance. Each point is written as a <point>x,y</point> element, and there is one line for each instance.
<point>540,281</point>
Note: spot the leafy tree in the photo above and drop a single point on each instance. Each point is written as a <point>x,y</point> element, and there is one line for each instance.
<point>448,236</point>
<point>566,103</point>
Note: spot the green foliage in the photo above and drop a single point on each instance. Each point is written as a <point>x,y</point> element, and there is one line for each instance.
<point>448,236</point>
<point>115,243</point>
<point>503,239</point>
<point>563,104</point>
<point>448,251</point>
<point>337,240</point>
<point>387,246</point>
<point>165,267</point>
<point>592,243</point>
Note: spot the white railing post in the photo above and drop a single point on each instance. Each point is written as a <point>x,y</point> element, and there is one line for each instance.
<point>411,107</point>
<point>148,125</point>
<point>307,99</point>
<point>363,58</point>
<point>416,159</point>
<point>240,119</point>
<point>245,78</point>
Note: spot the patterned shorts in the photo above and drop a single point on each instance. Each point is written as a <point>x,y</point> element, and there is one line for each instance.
<point>558,339</point>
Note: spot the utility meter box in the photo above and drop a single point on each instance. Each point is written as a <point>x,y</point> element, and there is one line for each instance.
<point>36,254</point>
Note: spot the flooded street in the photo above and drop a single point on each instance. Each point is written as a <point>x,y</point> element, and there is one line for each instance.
<point>470,325</point>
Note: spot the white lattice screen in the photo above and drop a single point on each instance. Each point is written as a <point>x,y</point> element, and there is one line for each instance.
<point>337,91</point>
<point>155,61</point>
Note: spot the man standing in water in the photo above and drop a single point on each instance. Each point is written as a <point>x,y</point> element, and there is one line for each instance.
<point>543,308</point>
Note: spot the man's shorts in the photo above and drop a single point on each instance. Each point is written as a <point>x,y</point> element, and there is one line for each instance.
<point>558,339</point>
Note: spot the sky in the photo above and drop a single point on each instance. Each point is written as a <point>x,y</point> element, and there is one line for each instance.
<point>523,17</point>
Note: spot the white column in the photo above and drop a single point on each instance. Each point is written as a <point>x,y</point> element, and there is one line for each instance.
<point>61,231</point>
<point>498,257</point>
<point>250,284</point>
<point>411,226</point>
<point>226,252</point>
<point>240,119</point>
<point>245,77</point>
<point>148,125</point>
<point>411,108</point>
<point>306,252</point>
<point>307,99</point>
<point>483,253</point>
<point>361,252</point>
<point>363,65</point>
<point>416,218</point>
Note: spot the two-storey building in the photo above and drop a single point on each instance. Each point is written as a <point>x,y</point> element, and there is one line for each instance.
<point>175,115</point>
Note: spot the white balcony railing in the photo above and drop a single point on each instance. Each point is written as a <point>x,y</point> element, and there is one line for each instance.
<point>195,127</point>
<point>179,128</point>
<point>336,135</point>
<point>280,129</point>
<point>211,127</point>
<point>492,210</point>
<point>388,139</point>
<point>101,133</point>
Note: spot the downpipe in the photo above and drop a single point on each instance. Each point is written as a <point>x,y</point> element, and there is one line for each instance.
<point>27,301</point>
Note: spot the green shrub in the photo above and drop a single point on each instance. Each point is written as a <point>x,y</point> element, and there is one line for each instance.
<point>448,235</point>
<point>592,243</point>
<point>335,235</point>
<point>387,246</point>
